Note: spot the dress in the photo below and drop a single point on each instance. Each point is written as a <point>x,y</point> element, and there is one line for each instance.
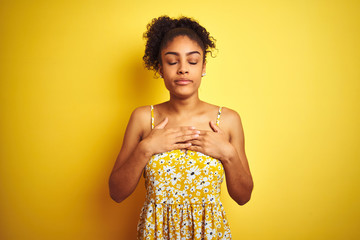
<point>183,197</point>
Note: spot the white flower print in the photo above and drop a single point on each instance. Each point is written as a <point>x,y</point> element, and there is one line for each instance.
<point>211,234</point>
<point>203,183</point>
<point>193,172</point>
<point>155,183</point>
<point>211,198</point>
<point>213,163</point>
<point>169,169</point>
<point>175,177</point>
<point>184,194</point>
<point>172,155</point>
<point>198,233</point>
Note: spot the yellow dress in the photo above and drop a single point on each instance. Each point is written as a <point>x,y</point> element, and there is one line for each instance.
<point>183,197</point>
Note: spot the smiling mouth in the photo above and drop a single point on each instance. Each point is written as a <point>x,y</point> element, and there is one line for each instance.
<point>183,81</point>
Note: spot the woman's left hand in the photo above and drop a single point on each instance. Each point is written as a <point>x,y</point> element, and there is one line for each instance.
<point>213,143</point>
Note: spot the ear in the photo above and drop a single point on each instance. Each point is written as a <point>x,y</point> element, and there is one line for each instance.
<point>204,68</point>
<point>160,69</point>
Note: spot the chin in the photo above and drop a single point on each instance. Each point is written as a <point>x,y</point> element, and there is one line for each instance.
<point>184,95</point>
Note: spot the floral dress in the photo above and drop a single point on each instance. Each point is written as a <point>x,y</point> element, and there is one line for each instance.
<point>183,197</point>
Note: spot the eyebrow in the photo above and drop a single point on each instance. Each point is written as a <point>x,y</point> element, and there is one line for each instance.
<point>187,54</point>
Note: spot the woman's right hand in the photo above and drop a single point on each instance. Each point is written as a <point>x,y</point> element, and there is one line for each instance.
<point>162,140</point>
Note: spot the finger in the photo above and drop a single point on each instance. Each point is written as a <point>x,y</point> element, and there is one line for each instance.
<point>187,132</point>
<point>195,142</point>
<point>214,127</point>
<point>183,136</point>
<point>162,124</point>
<point>186,138</point>
<point>184,128</point>
<point>180,129</point>
<point>190,131</point>
<point>181,146</point>
<point>178,134</point>
<point>204,132</point>
<point>195,148</point>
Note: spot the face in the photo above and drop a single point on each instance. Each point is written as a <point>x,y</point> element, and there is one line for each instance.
<point>182,66</point>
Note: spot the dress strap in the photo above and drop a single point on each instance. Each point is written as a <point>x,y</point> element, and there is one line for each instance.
<point>218,116</point>
<point>152,116</point>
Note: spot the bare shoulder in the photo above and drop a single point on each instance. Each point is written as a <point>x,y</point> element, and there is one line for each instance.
<point>229,116</point>
<point>230,122</point>
<point>140,120</point>
<point>141,112</point>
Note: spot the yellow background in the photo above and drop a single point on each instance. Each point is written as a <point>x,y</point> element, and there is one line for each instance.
<point>72,72</point>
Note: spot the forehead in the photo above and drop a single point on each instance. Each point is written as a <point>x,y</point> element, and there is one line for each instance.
<point>181,44</point>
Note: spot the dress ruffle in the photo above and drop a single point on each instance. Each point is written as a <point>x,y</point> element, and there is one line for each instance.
<point>183,221</point>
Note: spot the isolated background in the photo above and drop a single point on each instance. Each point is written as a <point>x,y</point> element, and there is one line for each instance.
<point>71,73</point>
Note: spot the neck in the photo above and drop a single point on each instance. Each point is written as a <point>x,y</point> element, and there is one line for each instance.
<point>183,105</point>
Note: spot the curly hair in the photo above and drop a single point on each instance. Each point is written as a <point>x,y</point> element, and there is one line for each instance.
<point>164,29</point>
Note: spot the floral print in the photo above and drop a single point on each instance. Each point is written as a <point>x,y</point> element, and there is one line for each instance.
<point>183,197</point>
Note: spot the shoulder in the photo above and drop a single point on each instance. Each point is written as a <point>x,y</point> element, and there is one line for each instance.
<point>141,112</point>
<point>230,121</point>
<point>140,119</point>
<point>229,115</point>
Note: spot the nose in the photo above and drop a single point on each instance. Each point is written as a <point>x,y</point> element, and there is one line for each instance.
<point>183,68</point>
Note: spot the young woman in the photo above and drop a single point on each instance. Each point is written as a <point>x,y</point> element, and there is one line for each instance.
<point>184,146</point>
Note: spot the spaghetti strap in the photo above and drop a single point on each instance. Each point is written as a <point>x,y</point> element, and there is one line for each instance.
<point>152,117</point>
<point>218,116</point>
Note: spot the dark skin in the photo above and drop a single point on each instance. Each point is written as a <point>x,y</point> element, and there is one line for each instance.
<point>183,122</point>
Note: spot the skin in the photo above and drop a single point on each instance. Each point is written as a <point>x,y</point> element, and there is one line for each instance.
<point>183,122</point>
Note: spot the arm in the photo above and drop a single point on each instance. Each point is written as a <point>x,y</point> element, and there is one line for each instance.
<point>238,176</point>
<point>131,160</point>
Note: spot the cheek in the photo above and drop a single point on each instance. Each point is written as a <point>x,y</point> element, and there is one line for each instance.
<point>167,71</point>
<point>198,71</point>
<point>167,84</point>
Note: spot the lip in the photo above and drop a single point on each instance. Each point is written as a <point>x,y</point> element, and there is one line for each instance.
<point>183,81</point>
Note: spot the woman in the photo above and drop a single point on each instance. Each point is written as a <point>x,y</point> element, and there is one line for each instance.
<point>183,146</point>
